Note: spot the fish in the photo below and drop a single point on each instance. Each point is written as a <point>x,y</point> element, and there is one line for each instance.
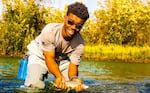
<point>73,84</point>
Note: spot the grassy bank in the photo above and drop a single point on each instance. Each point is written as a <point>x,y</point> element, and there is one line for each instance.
<point>109,53</point>
<point>117,53</point>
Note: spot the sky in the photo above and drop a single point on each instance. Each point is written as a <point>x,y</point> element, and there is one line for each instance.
<point>91,4</point>
<point>0,7</point>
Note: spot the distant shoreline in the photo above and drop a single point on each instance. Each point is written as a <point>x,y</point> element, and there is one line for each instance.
<point>109,53</point>
<point>118,53</point>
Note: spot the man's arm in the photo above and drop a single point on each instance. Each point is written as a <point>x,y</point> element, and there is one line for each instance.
<point>73,70</point>
<point>73,73</point>
<point>51,64</point>
<point>54,69</point>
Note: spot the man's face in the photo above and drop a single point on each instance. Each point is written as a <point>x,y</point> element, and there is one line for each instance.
<point>72,25</point>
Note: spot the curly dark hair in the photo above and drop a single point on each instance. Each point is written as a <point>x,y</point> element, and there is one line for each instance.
<point>79,10</point>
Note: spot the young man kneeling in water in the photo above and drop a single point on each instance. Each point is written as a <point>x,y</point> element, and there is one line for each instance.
<point>58,50</point>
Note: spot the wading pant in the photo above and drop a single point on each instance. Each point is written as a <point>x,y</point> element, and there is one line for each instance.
<point>37,70</point>
<point>36,73</point>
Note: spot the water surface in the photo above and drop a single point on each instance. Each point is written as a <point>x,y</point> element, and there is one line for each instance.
<point>102,77</point>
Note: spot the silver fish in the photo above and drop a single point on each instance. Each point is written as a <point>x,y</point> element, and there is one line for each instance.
<point>73,84</point>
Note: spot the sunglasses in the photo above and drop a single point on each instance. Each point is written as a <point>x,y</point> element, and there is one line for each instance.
<point>71,22</point>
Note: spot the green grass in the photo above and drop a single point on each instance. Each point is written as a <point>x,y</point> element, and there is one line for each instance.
<point>116,52</point>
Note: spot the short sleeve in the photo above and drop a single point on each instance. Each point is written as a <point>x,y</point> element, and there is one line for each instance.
<point>76,54</point>
<point>47,38</point>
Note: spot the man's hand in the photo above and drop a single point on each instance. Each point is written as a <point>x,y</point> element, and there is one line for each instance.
<point>60,83</point>
<point>54,69</point>
<point>79,87</point>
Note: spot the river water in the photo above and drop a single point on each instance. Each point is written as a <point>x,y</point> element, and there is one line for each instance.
<point>101,77</point>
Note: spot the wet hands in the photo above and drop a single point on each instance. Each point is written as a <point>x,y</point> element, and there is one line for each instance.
<point>79,87</point>
<point>75,84</point>
<point>60,83</point>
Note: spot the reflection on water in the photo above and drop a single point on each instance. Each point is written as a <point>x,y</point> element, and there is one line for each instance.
<point>8,67</point>
<point>115,71</point>
<point>102,77</point>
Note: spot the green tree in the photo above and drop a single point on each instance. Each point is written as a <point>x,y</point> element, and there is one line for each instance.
<point>124,22</point>
<point>22,22</point>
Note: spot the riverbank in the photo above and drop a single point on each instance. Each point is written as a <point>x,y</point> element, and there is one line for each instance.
<point>110,53</point>
<point>117,53</point>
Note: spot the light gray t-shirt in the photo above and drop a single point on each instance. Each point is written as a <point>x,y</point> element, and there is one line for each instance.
<point>51,39</point>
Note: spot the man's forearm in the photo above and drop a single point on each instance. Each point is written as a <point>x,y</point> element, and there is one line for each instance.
<point>53,67</point>
<point>51,64</point>
<point>73,70</point>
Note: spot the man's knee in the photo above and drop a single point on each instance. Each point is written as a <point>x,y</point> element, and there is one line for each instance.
<point>36,83</point>
<point>35,76</point>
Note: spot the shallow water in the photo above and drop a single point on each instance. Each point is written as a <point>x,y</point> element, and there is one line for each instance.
<point>101,77</point>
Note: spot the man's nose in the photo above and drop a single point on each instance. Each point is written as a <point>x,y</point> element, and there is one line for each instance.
<point>74,28</point>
